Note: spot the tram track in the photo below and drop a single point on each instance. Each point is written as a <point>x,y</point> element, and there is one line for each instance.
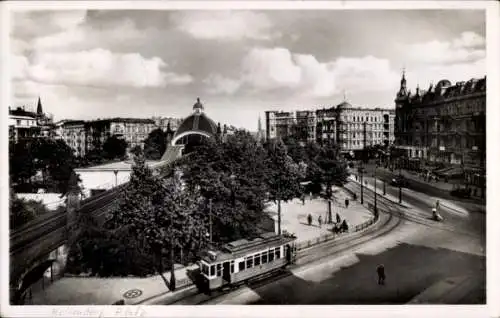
<point>386,224</point>
<point>408,214</point>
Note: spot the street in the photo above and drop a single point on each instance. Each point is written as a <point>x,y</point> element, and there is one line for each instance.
<point>416,257</point>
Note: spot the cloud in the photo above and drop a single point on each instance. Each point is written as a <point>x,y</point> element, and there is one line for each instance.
<point>97,67</point>
<point>265,69</point>
<point>469,47</point>
<point>29,23</point>
<point>225,25</point>
<point>218,84</point>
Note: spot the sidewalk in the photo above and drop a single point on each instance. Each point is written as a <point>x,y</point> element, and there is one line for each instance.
<point>106,291</point>
<point>294,215</point>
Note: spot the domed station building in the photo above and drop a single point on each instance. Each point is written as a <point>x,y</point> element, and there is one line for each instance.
<point>195,127</point>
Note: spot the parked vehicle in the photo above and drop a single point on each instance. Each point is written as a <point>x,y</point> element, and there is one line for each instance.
<point>243,260</point>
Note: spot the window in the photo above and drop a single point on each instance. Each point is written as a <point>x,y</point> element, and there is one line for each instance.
<point>204,268</point>
<point>212,270</point>
<point>256,260</point>
<point>264,257</point>
<point>271,255</point>
<point>219,270</point>
<point>232,267</point>
<point>277,252</point>
<point>249,261</point>
<point>18,122</point>
<point>241,266</point>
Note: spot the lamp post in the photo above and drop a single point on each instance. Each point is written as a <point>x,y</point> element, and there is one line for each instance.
<point>375,182</point>
<point>210,220</point>
<point>361,179</point>
<point>400,181</point>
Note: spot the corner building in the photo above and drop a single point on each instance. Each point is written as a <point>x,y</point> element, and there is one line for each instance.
<point>351,128</point>
<point>445,124</point>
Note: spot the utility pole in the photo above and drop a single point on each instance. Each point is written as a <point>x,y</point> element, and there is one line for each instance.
<point>210,219</point>
<point>400,181</point>
<point>361,179</point>
<point>375,198</point>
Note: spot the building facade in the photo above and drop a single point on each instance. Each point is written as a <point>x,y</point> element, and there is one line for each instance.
<point>26,124</point>
<point>351,128</point>
<point>444,124</point>
<point>133,130</point>
<point>166,123</point>
<point>72,132</point>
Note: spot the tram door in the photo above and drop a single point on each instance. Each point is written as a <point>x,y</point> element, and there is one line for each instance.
<point>226,273</point>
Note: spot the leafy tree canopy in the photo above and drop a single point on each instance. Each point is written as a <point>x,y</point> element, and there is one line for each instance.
<point>114,147</point>
<point>155,144</point>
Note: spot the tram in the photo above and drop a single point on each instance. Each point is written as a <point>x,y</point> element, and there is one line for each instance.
<point>240,261</point>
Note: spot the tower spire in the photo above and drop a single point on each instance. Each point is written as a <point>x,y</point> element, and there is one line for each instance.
<point>39,110</point>
<point>344,95</point>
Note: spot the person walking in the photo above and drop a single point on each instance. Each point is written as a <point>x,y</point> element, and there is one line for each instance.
<point>338,218</point>
<point>346,203</point>
<point>320,221</point>
<point>381,274</point>
<point>309,219</point>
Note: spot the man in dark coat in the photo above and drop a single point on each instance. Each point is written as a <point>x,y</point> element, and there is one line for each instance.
<point>346,203</point>
<point>381,274</point>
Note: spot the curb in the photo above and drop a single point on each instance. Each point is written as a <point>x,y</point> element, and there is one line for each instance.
<point>407,206</point>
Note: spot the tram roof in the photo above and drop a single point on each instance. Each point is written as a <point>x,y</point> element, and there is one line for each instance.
<point>243,247</point>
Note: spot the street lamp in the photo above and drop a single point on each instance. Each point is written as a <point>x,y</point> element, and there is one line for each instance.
<point>361,179</point>
<point>210,220</point>
<point>400,181</point>
<point>375,181</point>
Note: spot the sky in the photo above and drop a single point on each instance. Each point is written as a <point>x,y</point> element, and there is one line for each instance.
<point>132,63</point>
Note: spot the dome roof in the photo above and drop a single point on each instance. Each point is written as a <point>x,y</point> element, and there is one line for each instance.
<point>197,121</point>
<point>344,105</point>
<point>443,83</point>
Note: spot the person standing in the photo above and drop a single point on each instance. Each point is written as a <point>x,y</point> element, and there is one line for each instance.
<point>309,219</point>
<point>346,203</point>
<point>320,221</point>
<point>381,274</point>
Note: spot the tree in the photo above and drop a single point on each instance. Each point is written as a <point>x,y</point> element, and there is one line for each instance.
<point>53,158</point>
<point>161,213</point>
<point>283,176</point>
<point>232,175</point>
<point>21,162</point>
<point>328,171</point>
<point>22,211</point>
<point>114,147</point>
<point>155,144</point>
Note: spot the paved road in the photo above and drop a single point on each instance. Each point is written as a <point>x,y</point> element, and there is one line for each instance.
<point>416,256</point>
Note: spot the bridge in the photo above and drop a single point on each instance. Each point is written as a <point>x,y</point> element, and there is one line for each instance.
<point>37,242</point>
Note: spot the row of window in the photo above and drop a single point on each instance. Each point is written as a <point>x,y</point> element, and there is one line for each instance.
<point>247,263</point>
<point>260,258</point>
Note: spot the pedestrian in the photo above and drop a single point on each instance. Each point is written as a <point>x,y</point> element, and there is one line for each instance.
<point>320,220</point>
<point>338,218</point>
<point>309,219</point>
<point>303,199</point>
<point>346,203</point>
<point>381,274</point>
<point>344,226</point>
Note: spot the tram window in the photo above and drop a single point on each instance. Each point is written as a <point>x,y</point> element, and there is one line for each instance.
<point>241,266</point>
<point>257,260</point>
<point>264,257</point>
<point>232,266</point>
<point>212,270</point>
<point>271,255</point>
<point>204,269</point>
<point>277,252</point>
<point>249,261</point>
<point>219,269</point>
